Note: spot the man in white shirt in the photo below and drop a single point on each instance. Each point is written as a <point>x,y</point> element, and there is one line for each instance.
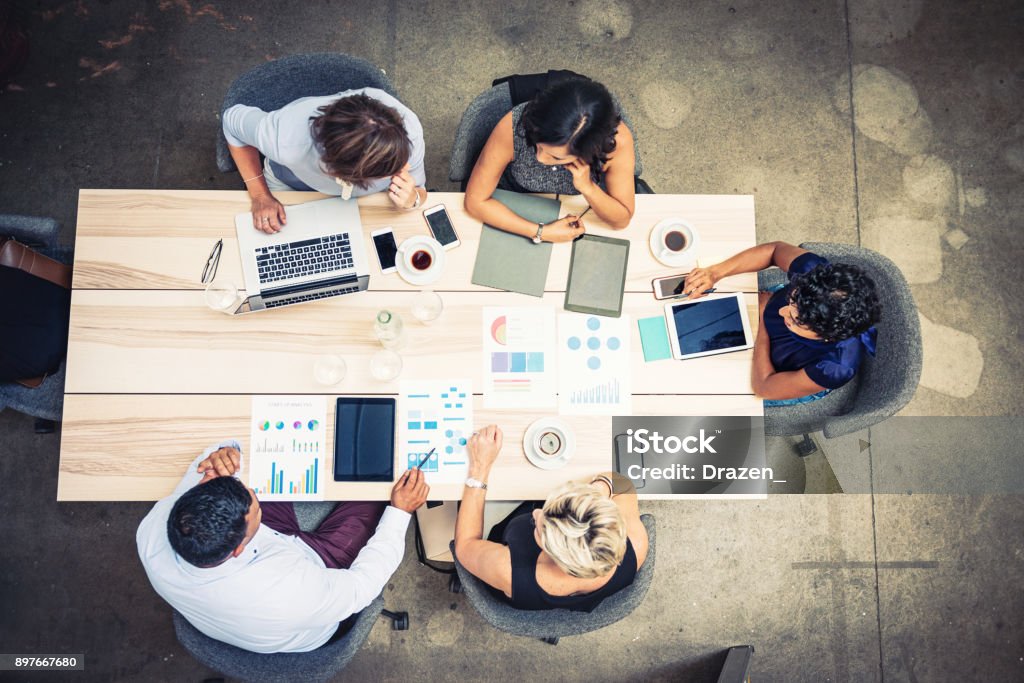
<point>245,583</point>
<point>354,143</point>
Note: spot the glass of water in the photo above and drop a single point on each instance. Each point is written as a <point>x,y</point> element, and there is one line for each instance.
<point>385,365</point>
<point>222,296</point>
<point>427,306</point>
<point>329,369</point>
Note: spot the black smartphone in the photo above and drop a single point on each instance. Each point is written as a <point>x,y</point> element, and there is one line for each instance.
<point>441,227</point>
<point>364,439</point>
<point>387,249</point>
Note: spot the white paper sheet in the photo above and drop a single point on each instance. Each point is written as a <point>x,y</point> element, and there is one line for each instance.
<point>435,414</point>
<point>594,370</point>
<point>518,362</point>
<point>288,447</point>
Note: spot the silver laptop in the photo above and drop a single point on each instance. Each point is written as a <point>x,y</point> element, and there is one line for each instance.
<point>319,253</point>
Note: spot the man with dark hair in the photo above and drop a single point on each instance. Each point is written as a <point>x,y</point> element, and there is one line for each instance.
<point>354,143</point>
<point>269,587</point>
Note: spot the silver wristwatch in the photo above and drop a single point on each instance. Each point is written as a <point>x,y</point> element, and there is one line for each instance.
<point>540,233</point>
<point>476,483</point>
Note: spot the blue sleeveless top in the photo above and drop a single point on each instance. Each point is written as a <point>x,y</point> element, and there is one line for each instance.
<point>829,364</point>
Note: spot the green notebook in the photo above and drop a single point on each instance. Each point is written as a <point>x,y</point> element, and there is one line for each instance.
<point>511,262</point>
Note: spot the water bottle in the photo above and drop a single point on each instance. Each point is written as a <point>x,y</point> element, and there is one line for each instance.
<point>388,328</point>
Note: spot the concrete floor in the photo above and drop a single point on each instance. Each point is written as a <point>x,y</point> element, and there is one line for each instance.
<point>897,125</point>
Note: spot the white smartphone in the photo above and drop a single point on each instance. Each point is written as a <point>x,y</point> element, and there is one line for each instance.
<point>441,227</point>
<point>668,287</point>
<point>387,249</point>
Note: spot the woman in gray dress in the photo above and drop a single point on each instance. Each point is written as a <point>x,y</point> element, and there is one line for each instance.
<point>569,139</point>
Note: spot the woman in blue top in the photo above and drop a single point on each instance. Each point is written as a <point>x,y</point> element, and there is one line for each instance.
<point>814,332</point>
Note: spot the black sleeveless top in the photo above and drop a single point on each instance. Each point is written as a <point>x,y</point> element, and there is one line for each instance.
<point>527,593</point>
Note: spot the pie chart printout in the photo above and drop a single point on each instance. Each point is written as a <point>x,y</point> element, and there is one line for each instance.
<point>499,330</point>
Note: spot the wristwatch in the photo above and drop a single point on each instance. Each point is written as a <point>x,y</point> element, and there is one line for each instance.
<point>540,233</point>
<point>476,483</point>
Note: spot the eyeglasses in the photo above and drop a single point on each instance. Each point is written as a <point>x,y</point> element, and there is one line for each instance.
<point>210,271</point>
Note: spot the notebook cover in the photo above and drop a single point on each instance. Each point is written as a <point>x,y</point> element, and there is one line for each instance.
<point>512,262</point>
<point>654,338</point>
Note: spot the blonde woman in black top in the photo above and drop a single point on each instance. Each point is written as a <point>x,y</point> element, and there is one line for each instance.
<point>586,543</point>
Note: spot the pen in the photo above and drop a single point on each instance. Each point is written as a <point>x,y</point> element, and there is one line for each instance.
<point>706,291</point>
<point>576,222</point>
<point>426,458</point>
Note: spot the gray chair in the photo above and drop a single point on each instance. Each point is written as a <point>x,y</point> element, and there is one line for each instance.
<point>46,401</point>
<point>550,625</point>
<point>884,383</point>
<point>272,85</point>
<point>479,119</point>
<point>321,664</point>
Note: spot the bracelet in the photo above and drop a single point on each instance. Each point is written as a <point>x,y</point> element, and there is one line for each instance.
<point>605,480</point>
<point>415,204</point>
<point>253,178</point>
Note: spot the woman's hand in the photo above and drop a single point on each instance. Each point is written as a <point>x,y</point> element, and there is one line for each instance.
<point>483,448</point>
<point>565,229</point>
<point>581,178</point>
<point>402,190</point>
<point>267,213</point>
<point>698,281</point>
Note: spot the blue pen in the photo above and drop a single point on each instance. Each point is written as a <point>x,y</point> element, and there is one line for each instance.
<point>426,458</point>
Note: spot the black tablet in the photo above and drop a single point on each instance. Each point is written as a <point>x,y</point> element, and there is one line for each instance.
<point>364,439</point>
<point>597,275</point>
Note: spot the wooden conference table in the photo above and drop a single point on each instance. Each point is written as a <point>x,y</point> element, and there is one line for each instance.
<point>154,376</point>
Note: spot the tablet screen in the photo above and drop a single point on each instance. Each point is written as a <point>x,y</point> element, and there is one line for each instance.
<point>709,325</point>
<point>364,439</point>
<point>597,276</point>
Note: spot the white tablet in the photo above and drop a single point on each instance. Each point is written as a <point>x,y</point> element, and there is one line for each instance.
<point>714,324</point>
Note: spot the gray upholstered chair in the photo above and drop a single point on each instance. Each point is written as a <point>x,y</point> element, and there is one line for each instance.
<point>550,625</point>
<point>46,401</point>
<point>272,85</point>
<point>321,664</point>
<point>479,119</point>
<point>885,383</point>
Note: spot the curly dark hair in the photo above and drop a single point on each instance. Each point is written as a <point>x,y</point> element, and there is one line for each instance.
<point>836,301</point>
<point>208,522</point>
<point>577,112</point>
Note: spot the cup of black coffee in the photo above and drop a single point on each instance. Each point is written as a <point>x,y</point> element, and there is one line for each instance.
<point>421,259</point>
<point>675,240</point>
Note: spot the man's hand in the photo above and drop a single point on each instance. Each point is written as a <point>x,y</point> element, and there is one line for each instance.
<point>410,491</point>
<point>221,463</point>
<point>483,448</point>
<point>698,281</point>
<point>403,189</point>
<point>581,178</point>
<point>267,214</point>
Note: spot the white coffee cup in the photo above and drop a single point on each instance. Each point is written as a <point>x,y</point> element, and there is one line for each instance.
<point>676,243</point>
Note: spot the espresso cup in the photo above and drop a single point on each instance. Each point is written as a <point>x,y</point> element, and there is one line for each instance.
<point>420,258</point>
<point>675,240</point>
<point>549,443</point>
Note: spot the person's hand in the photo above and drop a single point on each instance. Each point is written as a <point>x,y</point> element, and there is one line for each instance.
<point>565,229</point>
<point>267,214</point>
<point>698,281</point>
<point>483,448</point>
<point>410,491</point>
<point>402,190</point>
<point>581,178</point>
<point>221,463</point>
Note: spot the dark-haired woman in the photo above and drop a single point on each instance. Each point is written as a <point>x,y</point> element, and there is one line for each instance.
<point>814,331</point>
<point>569,139</point>
<point>354,143</point>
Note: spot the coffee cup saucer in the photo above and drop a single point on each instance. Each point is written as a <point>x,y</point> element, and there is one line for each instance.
<point>558,459</point>
<point>420,277</point>
<point>687,257</point>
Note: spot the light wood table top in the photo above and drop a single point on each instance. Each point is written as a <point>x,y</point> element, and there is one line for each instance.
<point>154,376</point>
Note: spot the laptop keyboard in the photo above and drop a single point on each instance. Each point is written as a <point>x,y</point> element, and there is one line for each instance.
<point>305,257</point>
<point>310,297</point>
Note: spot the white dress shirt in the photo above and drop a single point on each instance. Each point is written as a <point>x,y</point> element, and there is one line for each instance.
<point>277,596</point>
<point>285,136</point>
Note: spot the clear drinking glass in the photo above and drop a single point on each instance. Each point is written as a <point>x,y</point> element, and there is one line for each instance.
<point>329,369</point>
<point>385,365</point>
<point>222,296</point>
<point>427,306</point>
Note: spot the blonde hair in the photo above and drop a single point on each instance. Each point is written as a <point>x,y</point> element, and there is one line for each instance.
<point>582,531</point>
